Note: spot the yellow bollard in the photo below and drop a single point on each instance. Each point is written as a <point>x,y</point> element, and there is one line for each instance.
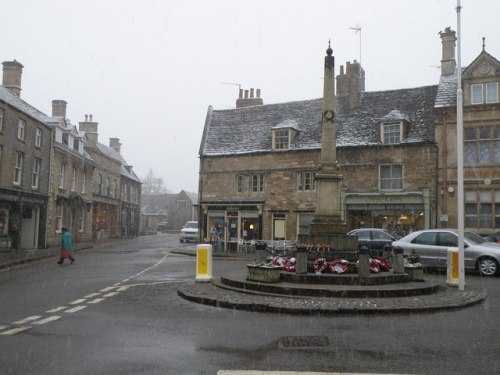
<point>203,263</point>
<point>452,267</point>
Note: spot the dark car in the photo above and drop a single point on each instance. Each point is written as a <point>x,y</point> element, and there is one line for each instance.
<point>493,237</point>
<point>374,238</point>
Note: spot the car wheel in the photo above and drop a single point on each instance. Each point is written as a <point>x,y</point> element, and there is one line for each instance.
<point>487,266</point>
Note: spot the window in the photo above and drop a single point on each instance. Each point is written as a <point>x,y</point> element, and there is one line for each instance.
<point>305,181</point>
<point>59,218</point>
<point>35,175</point>
<point>1,120</point>
<point>391,177</point>
<point>62,172</point>
<point>99,184</point>
<point>281,139</point>
<point>113,188</point>
<point>108,186</point>
<point>73,179</point>
<point>81,226</point>
<point>38,137</point>
<point>182,203</point>
<point>21,129</point>
<point>18,168</point>
<point>75,145</point>
<point>484,93</point>
<point>482,145</point>
<point>482,208</point>
<point>257,182</point>
<point>240,183</point>
<point>391,133</point>
<point>65,138</point>
<point>304,222</point>
<point>84,182</point>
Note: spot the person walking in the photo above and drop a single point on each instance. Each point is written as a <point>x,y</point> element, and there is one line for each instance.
<point>66,246</point>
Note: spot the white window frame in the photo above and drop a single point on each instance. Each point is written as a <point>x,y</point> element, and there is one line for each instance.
<point>391,133</point>
<point>480,93</point>
<point>35,175</point>
<point>240,183</point>
<point>59,218</point>
<point>394,181</point>
<point>21,129</point>
<point>62,173</point>
<point>281,139</point>
<point>81,226</point>
<point>305,181</point>
<point>18,168</point>
<point>84,182</point>
<point>488,96</point>
<point>38,137</point>
<point>73,179</point>
<point>258,183</point>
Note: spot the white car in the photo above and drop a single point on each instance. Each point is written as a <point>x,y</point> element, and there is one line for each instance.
<point>432,247</point>
<point>189,232</point>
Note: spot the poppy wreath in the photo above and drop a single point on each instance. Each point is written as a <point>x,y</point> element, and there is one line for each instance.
<point>290,265</point>
<point>382,263</point>
<point>338,266</point>
<point>320,265</point>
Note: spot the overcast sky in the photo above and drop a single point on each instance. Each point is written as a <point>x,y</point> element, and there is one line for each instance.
<point>148,69</point>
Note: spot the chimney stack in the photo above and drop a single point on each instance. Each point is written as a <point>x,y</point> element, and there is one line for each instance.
<point>352,83</point>
<point>90,129</point>
<point>12,72</point>
<point>115,144</point>
<point>59,108</point>
<point>448,63</point>
<point>249,99</point>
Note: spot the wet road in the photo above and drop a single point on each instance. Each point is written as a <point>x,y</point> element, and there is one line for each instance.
<point>116,311</point>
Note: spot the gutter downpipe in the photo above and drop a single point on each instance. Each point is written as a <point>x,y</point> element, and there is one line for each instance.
<point>460,160</point>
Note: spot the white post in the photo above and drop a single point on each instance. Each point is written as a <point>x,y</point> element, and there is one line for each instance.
<point>460,160</point>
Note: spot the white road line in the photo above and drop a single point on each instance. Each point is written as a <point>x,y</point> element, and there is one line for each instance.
<point>77,301</point>
<point>3,327</point>
<point>107,289</point>
<point>47,320</point>
<point>97,300</point>
<point>57,309</point>
<point>75,309</point>
<point>28,319</point>
<point>110,294</point>
<point>92,295</point>
<point>16,330</point>
<point>122,289</point>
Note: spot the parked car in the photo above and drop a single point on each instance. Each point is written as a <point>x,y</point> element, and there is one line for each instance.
<point>493,237</point>
<point>432,247</point>
<point>189,232</point>
<point>374,238</point>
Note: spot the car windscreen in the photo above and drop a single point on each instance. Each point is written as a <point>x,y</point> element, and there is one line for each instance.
<point>474,238</point>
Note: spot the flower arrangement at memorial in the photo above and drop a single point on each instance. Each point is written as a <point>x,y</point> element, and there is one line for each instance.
<point>412,260</point>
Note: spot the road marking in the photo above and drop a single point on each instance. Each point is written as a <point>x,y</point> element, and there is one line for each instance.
<point>28,319</point>
<point>57,309</point>
<point>255,372</point>
<point>122,289</point>
<point>3,327</point>
<point>92,295</point>
<point>75,309</point>
<point>47,320</point>
<point>97,300</point>
<point>111,294</point>
<point>77,301</point>
<point>16,330</point>
<point>107,289</point>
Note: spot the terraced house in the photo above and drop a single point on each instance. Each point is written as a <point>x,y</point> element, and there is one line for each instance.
<point>396,151</point>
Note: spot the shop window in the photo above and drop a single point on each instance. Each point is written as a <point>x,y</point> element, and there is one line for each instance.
<point>81,226</point>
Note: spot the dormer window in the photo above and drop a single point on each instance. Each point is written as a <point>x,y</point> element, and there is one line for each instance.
<point>283,134</point>
<point>393,127</point>
<point>484,93</point>
<point>391,133</point>
<point>281,139</point>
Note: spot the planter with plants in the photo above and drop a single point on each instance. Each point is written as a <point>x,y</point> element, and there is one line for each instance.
<point>413,267</point>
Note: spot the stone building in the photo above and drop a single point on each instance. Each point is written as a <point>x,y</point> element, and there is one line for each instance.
<point>258,162</point>
<point>170,211</point>
<point>72,168</point>
<point>25,144</point>
<point>117,190</point>
<point>481,133</point>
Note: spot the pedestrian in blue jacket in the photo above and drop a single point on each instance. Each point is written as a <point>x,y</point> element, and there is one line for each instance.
<point>66,246</point>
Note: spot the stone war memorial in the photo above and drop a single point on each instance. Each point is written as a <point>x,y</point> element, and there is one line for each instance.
<point>324,271</point>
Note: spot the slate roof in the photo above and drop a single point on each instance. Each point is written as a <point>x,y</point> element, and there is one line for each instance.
<point>15,101</point>
<point>110,152</point>
<point>447,91</point>
<point>249,129</point>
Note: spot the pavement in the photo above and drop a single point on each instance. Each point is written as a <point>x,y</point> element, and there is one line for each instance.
<point>215,293</point>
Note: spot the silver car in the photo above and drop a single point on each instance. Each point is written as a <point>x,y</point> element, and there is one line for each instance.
<point>432,247</point>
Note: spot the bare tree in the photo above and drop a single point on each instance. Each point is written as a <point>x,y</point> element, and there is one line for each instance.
<point>152,184</point>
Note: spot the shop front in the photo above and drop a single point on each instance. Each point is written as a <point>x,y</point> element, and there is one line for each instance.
<point>229,225</point>
<point>400,212</point>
